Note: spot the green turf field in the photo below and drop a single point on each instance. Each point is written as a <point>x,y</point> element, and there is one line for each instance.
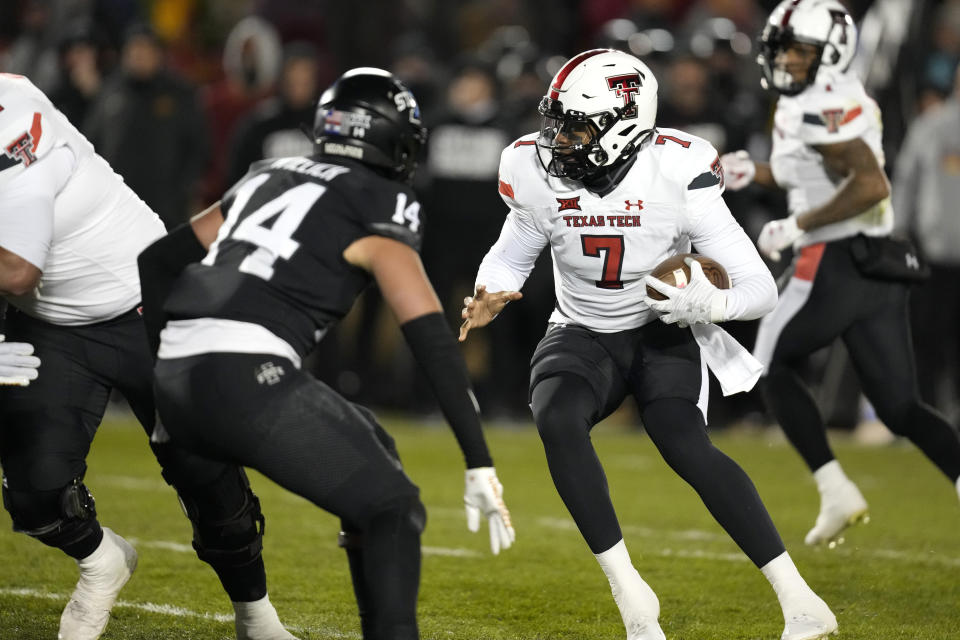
<point>897,577</point>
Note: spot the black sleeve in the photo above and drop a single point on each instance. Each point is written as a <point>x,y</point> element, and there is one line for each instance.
<point>434,347</point>
<point>160,265</point>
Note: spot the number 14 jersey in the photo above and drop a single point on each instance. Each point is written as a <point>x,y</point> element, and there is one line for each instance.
<point>278,257</point>
<point>602,247</point>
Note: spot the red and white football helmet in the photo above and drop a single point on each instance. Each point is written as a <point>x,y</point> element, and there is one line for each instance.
<point>824,24</point>
<point>601,104</point>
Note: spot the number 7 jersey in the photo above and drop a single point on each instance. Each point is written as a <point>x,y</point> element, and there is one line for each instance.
<point>602,247</point>
<point>278,257</point>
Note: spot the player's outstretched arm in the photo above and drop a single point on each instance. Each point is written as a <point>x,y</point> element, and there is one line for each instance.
<point>409,294</point>
<point>740,170</point>
<point>482,307</point>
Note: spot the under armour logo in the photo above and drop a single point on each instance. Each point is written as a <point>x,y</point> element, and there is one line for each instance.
<point>269,373</point>
<point>912,261</point>
<point>21,149</point>
<point>638,204</point>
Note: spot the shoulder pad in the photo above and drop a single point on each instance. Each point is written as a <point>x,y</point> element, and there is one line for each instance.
<point>829,113</point>
<point>521,175</point>
<point>691,160</point>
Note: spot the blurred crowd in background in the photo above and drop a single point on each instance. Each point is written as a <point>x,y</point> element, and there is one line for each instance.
<point>180,96</point>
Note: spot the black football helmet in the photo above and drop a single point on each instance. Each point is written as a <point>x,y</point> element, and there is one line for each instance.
<point>370,116</point>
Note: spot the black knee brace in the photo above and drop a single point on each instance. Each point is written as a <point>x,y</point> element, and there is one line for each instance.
<point>59,518</point>
<point>227,523</point>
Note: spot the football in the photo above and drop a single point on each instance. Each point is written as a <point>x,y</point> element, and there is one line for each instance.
<point>675,272</point>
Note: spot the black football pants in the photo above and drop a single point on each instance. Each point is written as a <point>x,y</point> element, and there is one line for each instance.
<point>46,430</point>
<point>827,298</point>
<point>260,411</point>
<point>578,377</point>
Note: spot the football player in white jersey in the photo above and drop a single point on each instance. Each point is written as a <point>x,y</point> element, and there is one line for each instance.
<point>70,233</point>
<point>613,196</point>
<point>849,279</point>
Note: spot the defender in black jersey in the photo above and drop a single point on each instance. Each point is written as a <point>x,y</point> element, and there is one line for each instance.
<point>296,241</point>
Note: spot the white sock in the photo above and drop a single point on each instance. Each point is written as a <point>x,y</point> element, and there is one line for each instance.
<point>958,485</point>
<point>632,595</point>
<point>98,554</point>
<point>615,563</point>
<point>253,618</point>
<point>786,581</point>
<point>830,476</point>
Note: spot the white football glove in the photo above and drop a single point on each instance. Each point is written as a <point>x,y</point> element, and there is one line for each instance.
<point>697,303</point>
<point>777,235</point>
<point>17,364</point>
<point>738,169</point>
<point>484,494</point>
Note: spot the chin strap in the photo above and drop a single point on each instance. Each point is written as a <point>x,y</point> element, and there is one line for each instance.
<point>605,181</point>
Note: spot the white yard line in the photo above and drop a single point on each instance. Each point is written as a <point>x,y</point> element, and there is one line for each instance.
<point>912,557</point>
<point>179,547</point>
<point>694,535</point>
<point>151,607</point>
<point>452,553</point>
<point>175,611</point>
<point>168,545</point>
<point>130,482</point>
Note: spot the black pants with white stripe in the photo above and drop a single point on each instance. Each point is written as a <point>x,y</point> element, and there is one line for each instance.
<point>825,298</point>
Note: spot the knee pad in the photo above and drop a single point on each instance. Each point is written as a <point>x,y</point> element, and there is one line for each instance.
<point>228,525</point>
<point>57,518</point>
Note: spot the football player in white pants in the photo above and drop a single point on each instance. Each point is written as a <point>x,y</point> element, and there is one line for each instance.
<point>827,153</point>
<point>613,196</point>
<point>70,232</point>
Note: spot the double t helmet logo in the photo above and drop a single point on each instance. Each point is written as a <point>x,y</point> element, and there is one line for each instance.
<point>626,86</point>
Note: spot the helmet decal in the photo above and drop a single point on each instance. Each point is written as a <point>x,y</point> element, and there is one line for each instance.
<point>370,116</point>
<point>568,68</point>
<point>626,86</point>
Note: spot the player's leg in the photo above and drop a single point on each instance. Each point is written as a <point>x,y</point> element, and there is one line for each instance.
<point>216,497</point>
<point>566,405</point>
<point>669,382</point>
<point>879,345</point>
<point>818,303</point>
<point>45,434</point>
<point>313,442</point>
<point>351,541</point>
<point>228,529</point>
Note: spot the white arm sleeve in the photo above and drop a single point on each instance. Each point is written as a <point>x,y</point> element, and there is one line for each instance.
<point>511,258</point>
<point>26,206</point>
<point>717,235</point>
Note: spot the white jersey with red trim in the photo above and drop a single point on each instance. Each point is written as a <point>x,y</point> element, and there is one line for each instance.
<point>602,247</point>
<point>64,210</point>
<point>826,113</point>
